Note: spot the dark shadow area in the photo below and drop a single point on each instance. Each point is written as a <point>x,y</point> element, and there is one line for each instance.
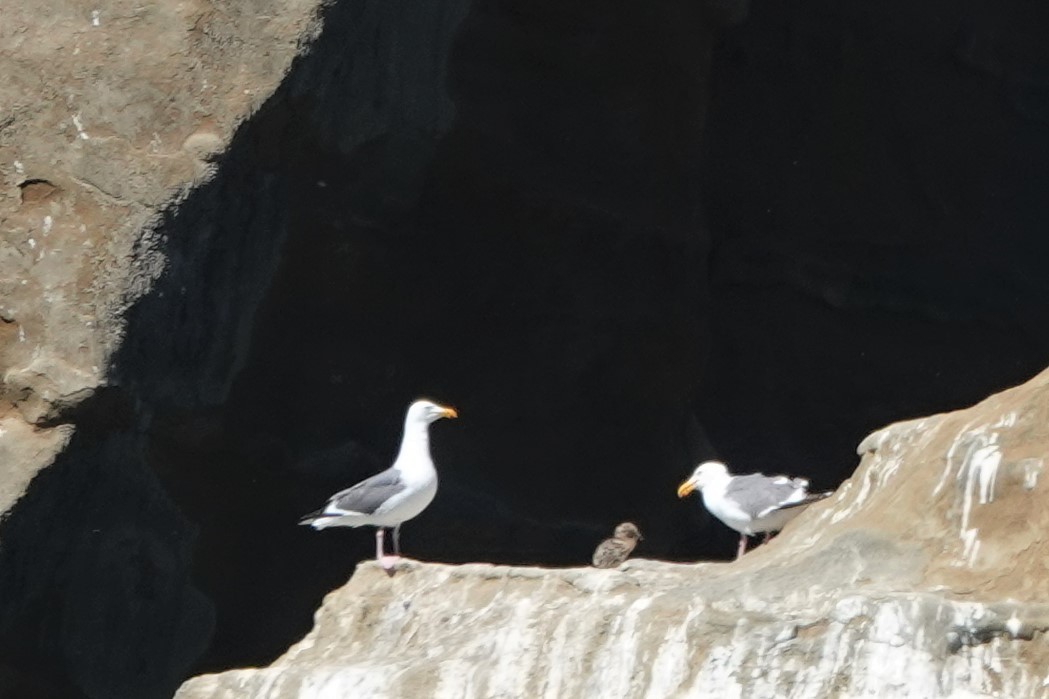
<point>495,204</point>
<point>95,573</point>
<point>498,205</point>
<point>876,186</point>
<point>536,262</point>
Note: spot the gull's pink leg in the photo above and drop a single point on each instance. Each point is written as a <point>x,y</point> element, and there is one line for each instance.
<point>765,540</point>
<point>378,544</point>
<point>742,546</point>
<point>386,562</point>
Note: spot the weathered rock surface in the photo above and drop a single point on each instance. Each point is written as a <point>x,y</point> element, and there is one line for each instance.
<point>923,576</point>
<point>110,113</point>
<point>219,265</point>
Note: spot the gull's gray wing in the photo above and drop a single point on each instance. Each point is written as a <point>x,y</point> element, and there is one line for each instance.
<point>367,496</point>
<point>758,494</point>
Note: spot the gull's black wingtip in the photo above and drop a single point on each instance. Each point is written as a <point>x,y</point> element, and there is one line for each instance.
<point>311,517</point>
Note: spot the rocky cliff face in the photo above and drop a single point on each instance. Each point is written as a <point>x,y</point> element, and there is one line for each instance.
<point>237,238</point>
<point>923,576</point>
<point>110,114</point>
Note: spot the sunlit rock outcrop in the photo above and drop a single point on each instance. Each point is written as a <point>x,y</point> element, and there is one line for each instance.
<point>923,576</point>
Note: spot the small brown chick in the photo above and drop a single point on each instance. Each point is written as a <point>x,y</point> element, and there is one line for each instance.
<point>611,552</point>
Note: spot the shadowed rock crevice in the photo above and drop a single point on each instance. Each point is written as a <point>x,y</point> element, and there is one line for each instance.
<point>96,578</point>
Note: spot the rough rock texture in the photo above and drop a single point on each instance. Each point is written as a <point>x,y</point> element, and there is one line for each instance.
<point>110,112</point>
<point>227,271</point>
<point>923,576</point>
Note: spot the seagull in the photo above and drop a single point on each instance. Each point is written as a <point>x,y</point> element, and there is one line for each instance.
<point>392,497</point>
<point>749,504</point>
<point>611,552</point>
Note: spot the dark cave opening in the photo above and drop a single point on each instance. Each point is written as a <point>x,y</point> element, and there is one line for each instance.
<point>875,191</point>
<point>545,264</point>
<point>533,270</point>
<point>616,237</point>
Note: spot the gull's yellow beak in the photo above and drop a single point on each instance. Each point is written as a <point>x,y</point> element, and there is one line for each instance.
<point>450,412</point>
<point>685,488</point>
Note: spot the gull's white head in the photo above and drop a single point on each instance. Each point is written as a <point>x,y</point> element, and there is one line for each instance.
<point>706,473</point>
<point>426,412</point>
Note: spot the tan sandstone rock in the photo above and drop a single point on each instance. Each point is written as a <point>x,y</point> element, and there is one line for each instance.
<point>106,110</point>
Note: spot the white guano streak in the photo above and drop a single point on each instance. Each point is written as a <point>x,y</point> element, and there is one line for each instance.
<point>80,127</point>
<point>669,670</point>
<point>966,437</point>
<point>616,662</point>
<point>515,649</point>
<point>723,665</point>
<point>980,470</point>
<point>1032,469</point>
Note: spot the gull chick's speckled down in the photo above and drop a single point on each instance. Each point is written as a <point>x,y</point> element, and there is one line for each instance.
<point>390,498</point>
<point>750,504</point>
<point>612,552</point>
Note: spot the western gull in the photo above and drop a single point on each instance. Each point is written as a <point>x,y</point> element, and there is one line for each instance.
<point>392,497</point>
<point>750,504</point>
<point>611,552</point>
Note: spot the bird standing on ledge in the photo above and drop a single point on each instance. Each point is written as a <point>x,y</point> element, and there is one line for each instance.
<point>750,504</point>
<point>390,498</point>
<point>611,552</point>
